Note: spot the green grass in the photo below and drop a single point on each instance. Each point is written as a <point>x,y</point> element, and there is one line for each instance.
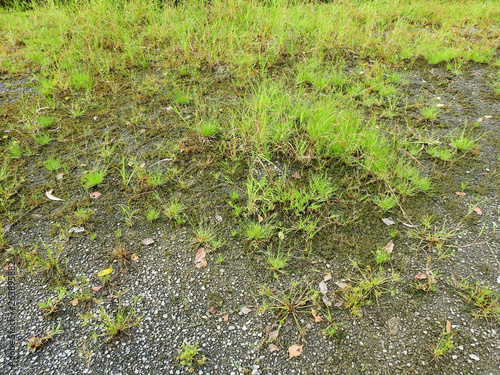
<point>93,178</point>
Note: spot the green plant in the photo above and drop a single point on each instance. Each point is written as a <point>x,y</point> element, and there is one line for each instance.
<point>444,345</point>
<point>173,210</point>
<point>277,262</point>
<point>463,143</point>
<point>386,202</point>
<point>45,121</point>
<point>112,327</point>
<point>190,356</point>
<point>42,138</point>
<point>53,304</point>
<point>156,178</point>
<point>105,276</point>
<point>208,128</point>
<point>435,237</point>
<point>52,164</point>
<point>444,154</point>
<point>152,214</point>
<point>81,216</point>
<point>427,280</point>
<point>221,258</point>
<point>383,255</point>
<point>15,149</point>
<point>331,330</point>
<point>204,235</point>
<point>93,178</point>
<point>123,171</point>
<point>481,297</point>
<point>50,263</point>
<point>33,342</point>
<point>429,112</point>
<point>129,215</point>
<point>257,232</point>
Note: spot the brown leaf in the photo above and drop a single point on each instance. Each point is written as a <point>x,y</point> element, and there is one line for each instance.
<point>389,247</point>
<point>74,302</point>
<point>200,260</point>
<point>341,284</point>
<point>260,218</point>
<point>273,335</point>
<point>225,318</point>
<point>245,310</point>
<point>51,197</point>
<point>295,350</point>
<point>327,277</point>
<point>148,241</point>
<point>134,257</point>
<point>477,210</point>
<point>95,195</point>
<point>96,288</point>
<point>459,193</point>
<point>59,176</point>
<point>317,318</point>
<point>273,348</point>
<point>212,310</point>
<point>421,276</point>
<point>448,327</point>
<point>296,175</point>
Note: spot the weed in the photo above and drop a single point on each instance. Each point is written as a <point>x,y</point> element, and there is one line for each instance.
<point>429,112</point>
<point>156,178</point>
<point>221,258</point>
<point>440,153</point>
<point>331,330</point>
<point>81,216</point>
<point>50,264</point>
<point>190,356</point>
<point>208,129</point>
<point>173,210</point>
<point>123,172</point>
<point>463,143</point>
<point>122,256</point>
<point>277,262</point>
<point>93,178</point>
<point>444,345</point>
<point>53,303</point>
<point>45,121</point>
<point>386,202</point>
<point>481,297</point>
<point>434,237</point>
<point>84,295</point>
<point>382,255</point>
<point>204,235</point>
<point>258,232</point>
<point>113,327</point>
<point>33,342</point>
<point>105,276</point>
<point>427,281</point>
<point>42,138</point>
<point>152,214</point>
<point>129,215</point>
<point>52,164</point>
<point>15,149</point>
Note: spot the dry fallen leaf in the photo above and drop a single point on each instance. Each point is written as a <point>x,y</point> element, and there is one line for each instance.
<point>296,175</point>
<point>134,257</point>
<point>96,288</point>
<point>260,218</point>
<point>327,277</point>
<point>388,221</point>
<point>448,327</point>
<point>59,176</point>
<point>323,288</point>
<point>459,193</point>
<point>273,348</point>
<point>317,318</point>
<point>95,195</point>
<point>477,210</point>
<point>421,276</point>
<point>295,350</point>
<point>148,241</point>
<point>74,302</point>
<point>273,335</point>
<point>200,260</point>
<point>51,197</point>
<point>341,284</point>
<point>225,318</point>
<point>212,310</point>
<point>338,304</point>
<point>245,310</point>
<point>389,247</point>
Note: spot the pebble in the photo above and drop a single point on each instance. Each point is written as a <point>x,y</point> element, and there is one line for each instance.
<point>474,357</point>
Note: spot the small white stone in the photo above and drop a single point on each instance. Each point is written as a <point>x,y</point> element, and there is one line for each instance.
<point>474,357</point>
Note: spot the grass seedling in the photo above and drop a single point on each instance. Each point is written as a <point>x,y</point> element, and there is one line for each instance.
<point>129,215</point>
<point>52,164</point>
<point>383,255</point>
<point>53,303</point>
<point>204,235</point>
<point>385,202</point>
<point>277,262</point>
<point>15,149</point>
<point>50,265</point>
<point>190,356</point>
<point>444,154</point>
<point>481,297</point>
<point>156,178</point>
<point>173,210</point>
<point>41,138</point>
<point>444,345</point>
<point>33,342</point>
<point>45,121</point>
<point>257,232</point>
<point>123,172</point>
<point>429,112</point>
<point>221,258</point>
<point>463,143</point>
<point>93,178</point>
<point>427,281</point>
<point>152,214</point>
<point>113,327</point>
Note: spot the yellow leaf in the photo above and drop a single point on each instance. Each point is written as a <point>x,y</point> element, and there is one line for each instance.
<point>105,272</point>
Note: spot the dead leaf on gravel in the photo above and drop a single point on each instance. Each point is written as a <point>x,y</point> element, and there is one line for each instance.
<point>327,277</point>
<point>212,310</point>
<point>51,197</point>
<point>448,327</point>
<point>225,318</point>
<point>326,300</point>
<point>245,310</point>
<point>323,288</point>
<point>76,230</point>
<point>421,276</point>
<point>200,259</point>
<point>273,335</point>
<point>95,195</point>
<point>296,175</point>
<point>295,350</point>
<point>148,241</point>
<point>273,348</point>
<point>388,221</point>
<point>96,288</point>
<point>134,257</point>
<point>477,210</point>
<point>389,247</point>
<point>317,318</point>
<point>341,284</point>
<point>59,176</point>
<point>459,193</point>
<point>338,304</point>
<point>74,302</point>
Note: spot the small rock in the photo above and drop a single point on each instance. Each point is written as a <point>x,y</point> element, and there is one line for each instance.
<point>474,357</point>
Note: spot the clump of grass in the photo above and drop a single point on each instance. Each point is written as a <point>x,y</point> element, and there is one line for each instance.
<point>442,153</point>
<point>93,178</point>
<point>114,326</point>
<point>277,262</point>
<point>429,112</point>
<point>204,235</point>
<point>463,143</point>
<point>52,164</point>
<point>152,214</point>
<point>386,202</point>
<point>33,342</point>
<point>256,232</point>
<point>42,138</point>
<point>444,345</point>
<point>173,210</point>
<point>190,356</point>
<point>53,304</point>
<point>479,295</point>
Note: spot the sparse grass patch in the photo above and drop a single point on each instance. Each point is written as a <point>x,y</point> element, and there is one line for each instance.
<point>190,356</point>
<point>481,297</point>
